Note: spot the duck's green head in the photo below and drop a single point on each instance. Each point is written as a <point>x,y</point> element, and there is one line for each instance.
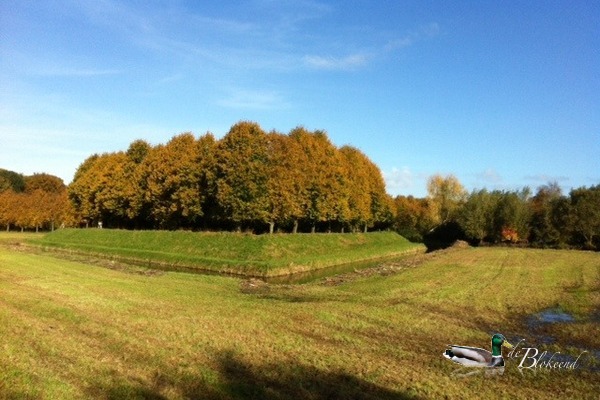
<point>498,340</point>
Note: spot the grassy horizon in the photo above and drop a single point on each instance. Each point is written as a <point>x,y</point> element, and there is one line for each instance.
<point>259,255</point>
<point>71,330</point>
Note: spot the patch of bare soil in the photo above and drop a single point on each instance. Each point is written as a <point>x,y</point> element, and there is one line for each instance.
<point>460,244</point>
<point>254,286</point>
<point>258,286</point>
<point>386,269</point>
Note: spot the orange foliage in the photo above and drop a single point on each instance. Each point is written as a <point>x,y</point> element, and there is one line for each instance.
<point>510,235</point>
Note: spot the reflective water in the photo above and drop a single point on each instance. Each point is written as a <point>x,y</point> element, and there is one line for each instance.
<point>553,315</point>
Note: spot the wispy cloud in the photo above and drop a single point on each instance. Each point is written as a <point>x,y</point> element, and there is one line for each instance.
<point>234,41</point>
<point>424,32</point>
<point>253,99</point>
<point>399,43</point>
<point>176,77</point>
<point>489,176</point>
<point>334,63</point>
<point>54,71</point>
<point>543,178</point>
<point>360,59</point>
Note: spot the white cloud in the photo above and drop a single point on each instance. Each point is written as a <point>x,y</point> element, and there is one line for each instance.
<point>399,180</point>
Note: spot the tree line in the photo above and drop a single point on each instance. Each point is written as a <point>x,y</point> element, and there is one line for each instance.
<point>249,179</point>
<point>546,218</point>
<point>39,201</point>
<point>296,182</point>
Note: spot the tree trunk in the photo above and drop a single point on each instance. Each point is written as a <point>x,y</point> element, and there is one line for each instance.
<point>295,229</point>
<point>313,229</point>
<point>365,231</point>
<point>271,227</point>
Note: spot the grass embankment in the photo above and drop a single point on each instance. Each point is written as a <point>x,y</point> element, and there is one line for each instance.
<point>72,331</point>
<point>253,255</point>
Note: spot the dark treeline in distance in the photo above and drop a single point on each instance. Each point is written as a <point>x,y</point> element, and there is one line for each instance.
<point>546,219</point>
<point>248,180</point>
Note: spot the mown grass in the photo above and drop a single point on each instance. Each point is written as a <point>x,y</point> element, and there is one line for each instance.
<point>70,330</point>
<point>19,237</point>
<point>259,255</point>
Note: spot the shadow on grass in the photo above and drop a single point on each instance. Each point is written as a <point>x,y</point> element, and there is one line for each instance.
<point>239,380</point>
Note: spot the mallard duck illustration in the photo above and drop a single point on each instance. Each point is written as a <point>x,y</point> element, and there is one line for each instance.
<point>476,357</point>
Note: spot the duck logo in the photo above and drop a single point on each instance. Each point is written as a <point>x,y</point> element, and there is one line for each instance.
<point>476,357</point>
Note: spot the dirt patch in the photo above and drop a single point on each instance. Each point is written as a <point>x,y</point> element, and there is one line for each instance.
<point>119,266</point>
<point>392,268</point>
<point>460,244</point>
<point>259,286</point>
<point>254,286</point>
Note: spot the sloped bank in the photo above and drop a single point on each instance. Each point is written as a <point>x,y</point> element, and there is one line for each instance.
<point>230,253</point>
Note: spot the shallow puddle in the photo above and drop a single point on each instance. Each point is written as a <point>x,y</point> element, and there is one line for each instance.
<point>536,324</point>
<point>547,316</point>
<point>552,316</point>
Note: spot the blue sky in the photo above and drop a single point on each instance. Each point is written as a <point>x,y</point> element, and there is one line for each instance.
<point>501,94</point>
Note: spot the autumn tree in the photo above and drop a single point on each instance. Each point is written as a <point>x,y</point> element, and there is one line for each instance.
<point>242,176</point>
<point>359,187</point>
<point>414,217</point>
<point>79,190</point>
<point>133,185</point>
<point>138,150</point>
<point>367,198</point>
<point>324,179</point>
<point>44,182</point>
<point>445,194</point>
<point>9,204</point>
<point>382,204</point>
<point>98,188</point>
<point>37,209</point>
<point>173,181</point>
<point>21,211</point>
<point>286,190</point>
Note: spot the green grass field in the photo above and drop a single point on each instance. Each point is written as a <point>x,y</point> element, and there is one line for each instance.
<point>258,255</point>
<point>71,330</point>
